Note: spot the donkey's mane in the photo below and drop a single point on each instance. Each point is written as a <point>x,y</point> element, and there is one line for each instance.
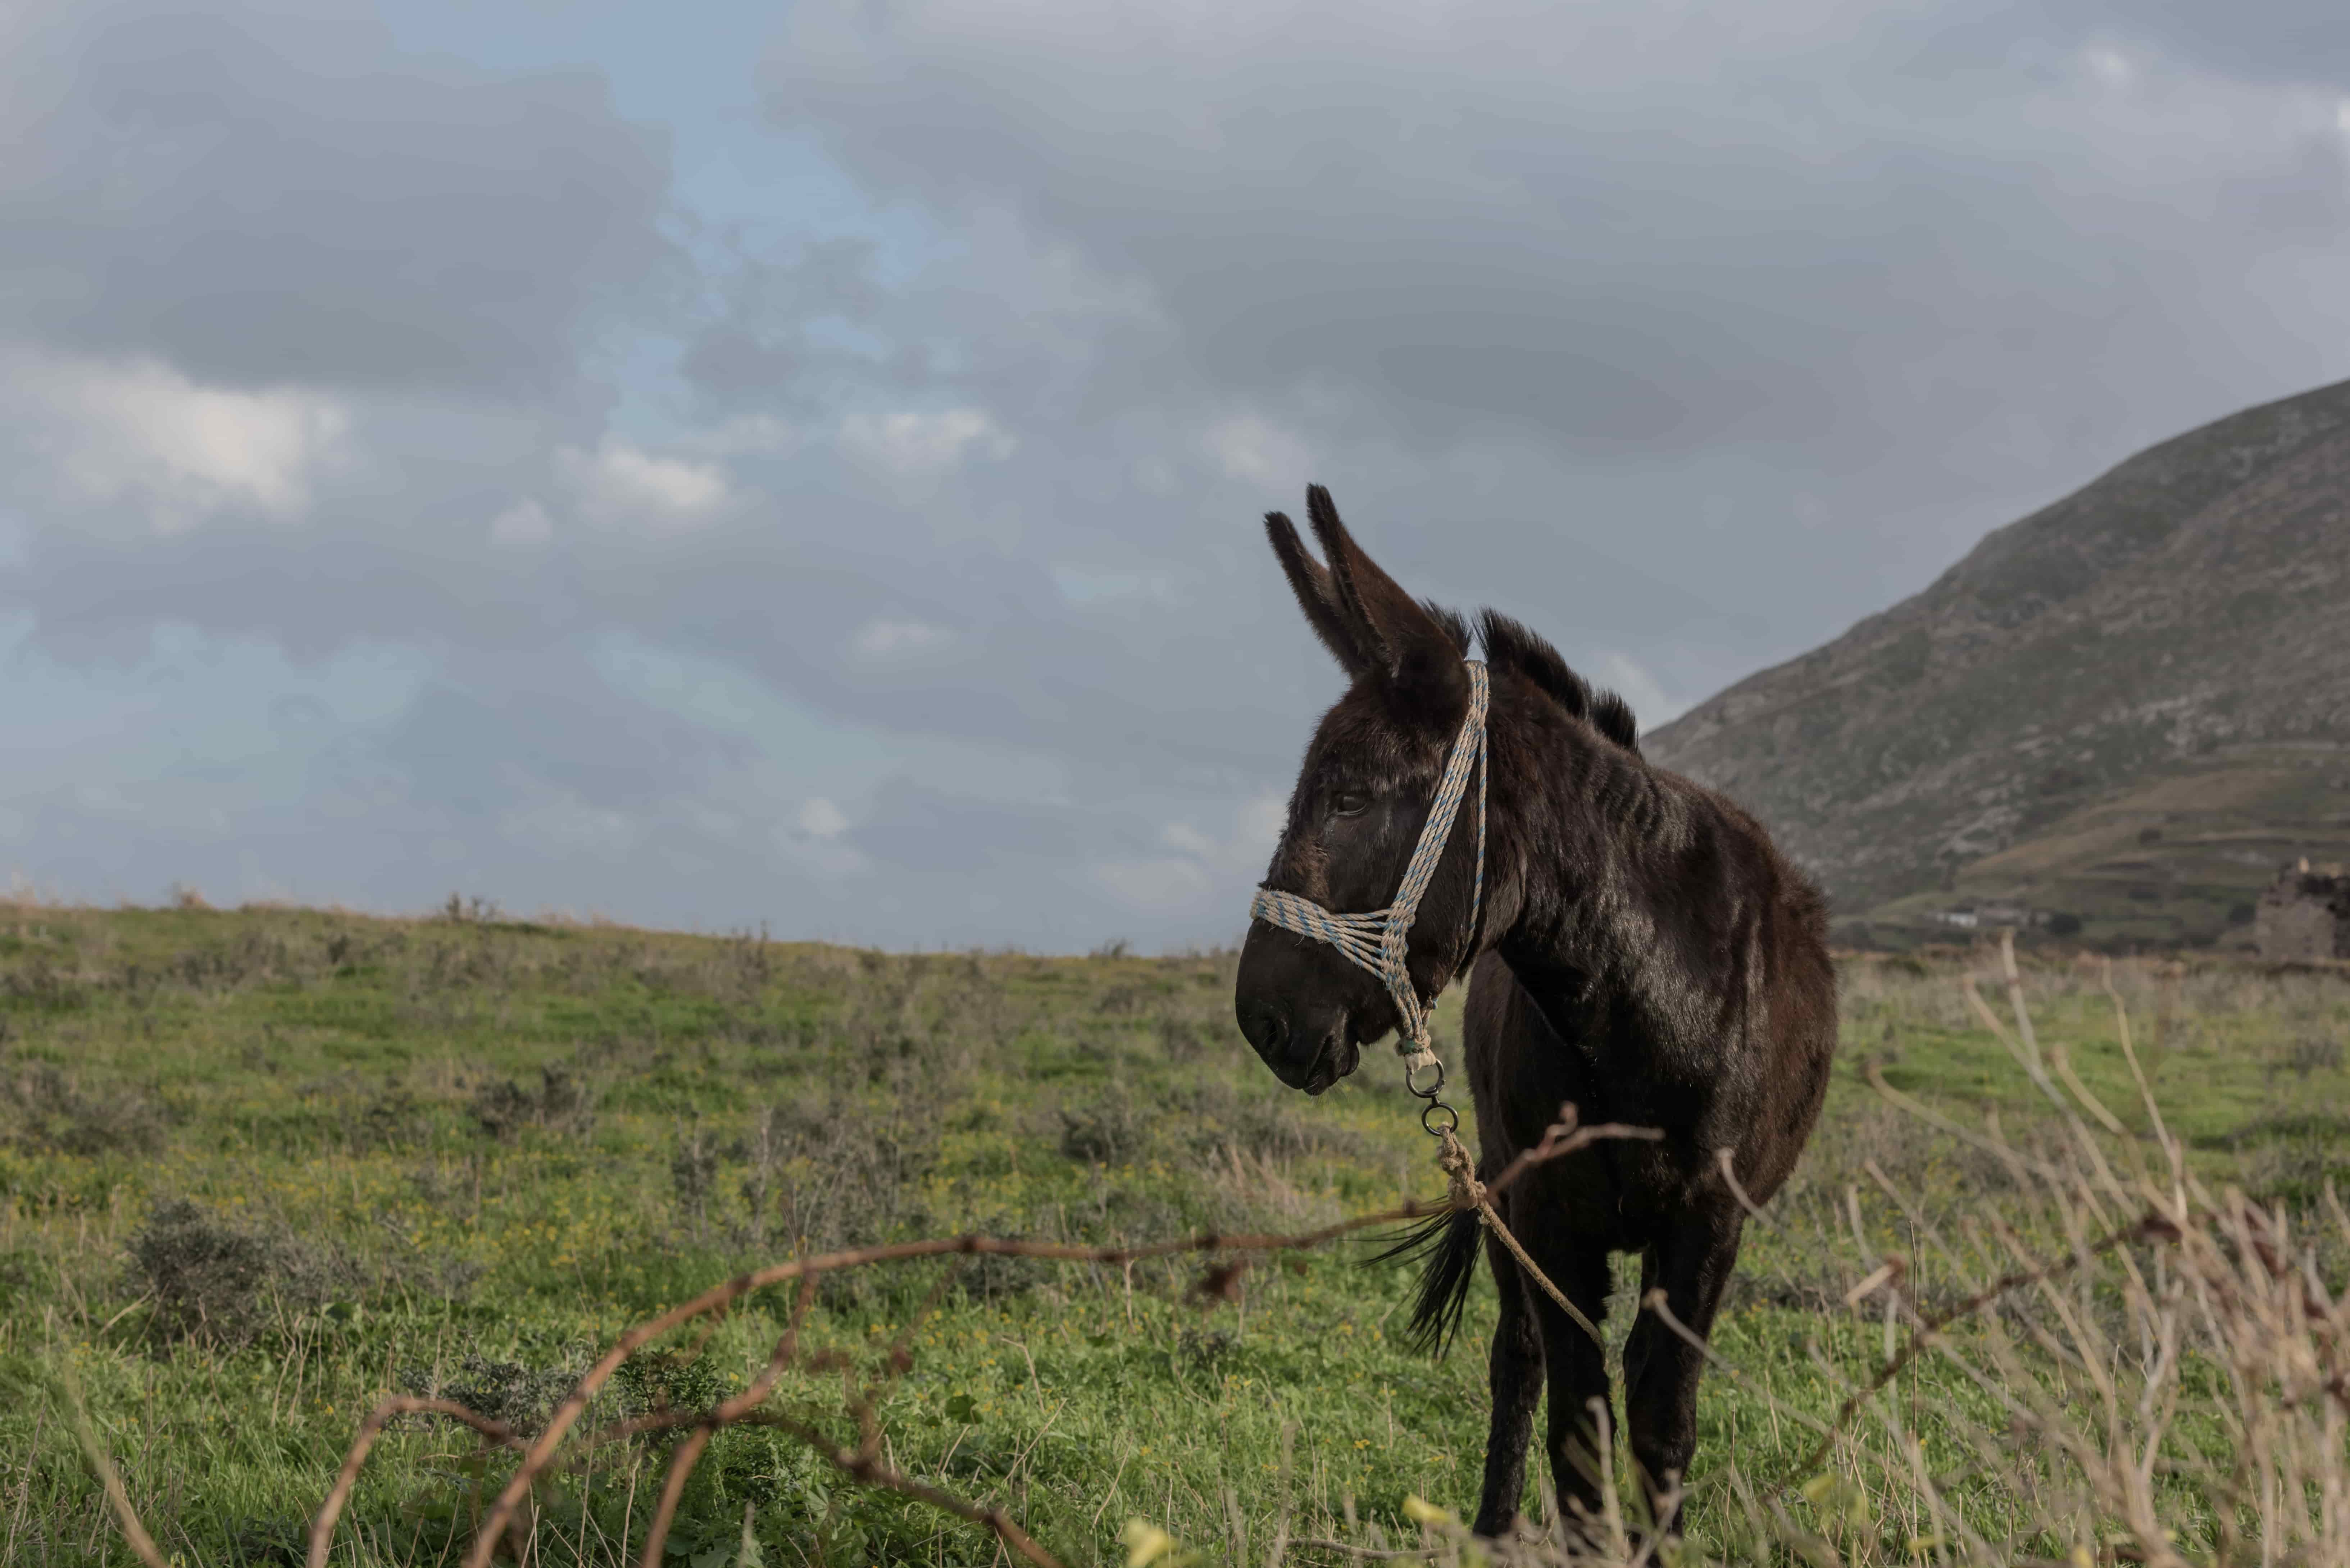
<point>1511,645</point>
<point>1450,620</point>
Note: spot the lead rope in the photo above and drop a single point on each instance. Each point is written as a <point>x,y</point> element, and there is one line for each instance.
<point>1379,941</point>
<point>1468,1192</point>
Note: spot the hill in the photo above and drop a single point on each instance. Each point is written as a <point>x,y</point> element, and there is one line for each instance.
<point>2129,705</point>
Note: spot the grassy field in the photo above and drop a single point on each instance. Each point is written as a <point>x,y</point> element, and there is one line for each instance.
<point>259,1169</point>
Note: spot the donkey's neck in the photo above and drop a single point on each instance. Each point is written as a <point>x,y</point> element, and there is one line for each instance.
<point>1615,866</point>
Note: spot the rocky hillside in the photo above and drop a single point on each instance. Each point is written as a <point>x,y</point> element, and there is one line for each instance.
<point>2129,706</point>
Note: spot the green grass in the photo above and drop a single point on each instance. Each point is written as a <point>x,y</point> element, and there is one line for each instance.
<point>460,1157</point>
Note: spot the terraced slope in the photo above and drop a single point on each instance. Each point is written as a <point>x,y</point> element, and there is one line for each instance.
<point>2129,705</point>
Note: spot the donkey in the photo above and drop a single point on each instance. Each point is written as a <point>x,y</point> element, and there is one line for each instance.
<point>1634,945</point>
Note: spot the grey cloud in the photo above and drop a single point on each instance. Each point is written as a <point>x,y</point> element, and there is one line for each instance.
<point>781,593</point>
<point>739,367</point>
<point>1753,248</point>
<point>923,830</point>
<point>96,602</point>
<point>1812,260</point>
<point>558,725</point>
<point>2296,41</point>
<point>761,351</point>
<point>2286,42</point>
<point>265,195</point>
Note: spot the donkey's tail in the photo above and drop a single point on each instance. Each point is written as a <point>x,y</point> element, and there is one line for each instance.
<point>1446,1247</point>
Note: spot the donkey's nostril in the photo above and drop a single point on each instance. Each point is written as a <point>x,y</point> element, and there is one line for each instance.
<point>1265,1027</point>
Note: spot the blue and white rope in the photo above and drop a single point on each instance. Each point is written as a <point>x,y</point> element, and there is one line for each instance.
<point>1379,940</point>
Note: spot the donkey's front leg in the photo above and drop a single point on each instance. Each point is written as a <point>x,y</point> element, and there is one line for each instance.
<point>1582,1417</point>
<point>1515,1374</point>
<point>1691,1260</point>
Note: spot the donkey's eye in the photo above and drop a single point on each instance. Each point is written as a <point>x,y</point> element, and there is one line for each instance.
<point>1349,803</point>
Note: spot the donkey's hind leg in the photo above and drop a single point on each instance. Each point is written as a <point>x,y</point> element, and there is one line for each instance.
<point>1515,1374</point>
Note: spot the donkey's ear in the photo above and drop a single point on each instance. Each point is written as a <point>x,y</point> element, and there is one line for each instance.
<point>1317,595</point>
<point>1399,636</point>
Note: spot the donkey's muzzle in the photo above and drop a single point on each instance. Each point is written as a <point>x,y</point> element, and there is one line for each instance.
<point>1267,1028</point>
<point>1310,1062</point>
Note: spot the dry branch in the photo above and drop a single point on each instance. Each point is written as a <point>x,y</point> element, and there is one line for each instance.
<point>322,1528</point>
<point>93,1450</point>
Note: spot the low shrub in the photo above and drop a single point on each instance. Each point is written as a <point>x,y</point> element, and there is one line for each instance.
<point>47,1112</point>
<point>558,1103</point>
<point>208,1279</point>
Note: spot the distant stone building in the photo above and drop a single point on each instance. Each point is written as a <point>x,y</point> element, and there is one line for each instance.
<point>1969,916</point>
<point>2304,915</point>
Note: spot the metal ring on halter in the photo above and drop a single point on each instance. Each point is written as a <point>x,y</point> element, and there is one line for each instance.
<point>1452,1123</point>
<point>1432,1090</point>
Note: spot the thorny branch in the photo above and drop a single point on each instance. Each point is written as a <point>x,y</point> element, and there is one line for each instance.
<point>382,1416</point>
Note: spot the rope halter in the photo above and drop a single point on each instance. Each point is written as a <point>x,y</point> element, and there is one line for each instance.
<point>1379,940</point>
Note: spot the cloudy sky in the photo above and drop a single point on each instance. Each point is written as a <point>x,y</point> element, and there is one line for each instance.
<point>730,463</point>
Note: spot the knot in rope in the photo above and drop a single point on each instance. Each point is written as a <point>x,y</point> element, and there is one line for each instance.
<point>1461,1172</point>
<point>1468,1192</point>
